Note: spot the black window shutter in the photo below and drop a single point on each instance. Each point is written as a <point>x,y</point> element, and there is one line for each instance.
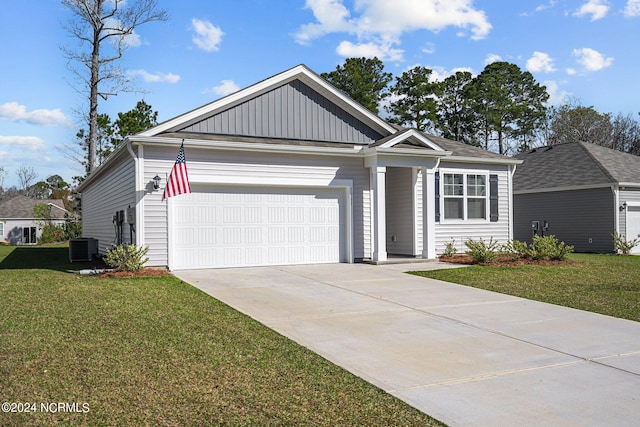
<point>493,197</point>
<point>437,201</point>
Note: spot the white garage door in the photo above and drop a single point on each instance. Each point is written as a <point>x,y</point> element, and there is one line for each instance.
<point>232,226</point>
<point>633,226</point>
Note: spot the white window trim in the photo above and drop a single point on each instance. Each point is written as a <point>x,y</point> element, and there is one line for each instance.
<point>1,230</point>
<point>465,197</point>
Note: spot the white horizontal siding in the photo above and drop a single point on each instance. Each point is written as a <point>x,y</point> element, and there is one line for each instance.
<point>259,167</point>
<point>114,191</point>
<point>627,195</point>
<point>461,231</point>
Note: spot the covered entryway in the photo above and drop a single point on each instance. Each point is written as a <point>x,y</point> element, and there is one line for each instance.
<point>233,225</point>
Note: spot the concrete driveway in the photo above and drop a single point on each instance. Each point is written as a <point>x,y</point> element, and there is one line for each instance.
<point>462,355</point>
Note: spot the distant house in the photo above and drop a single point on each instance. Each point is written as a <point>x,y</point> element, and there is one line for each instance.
<point>582,191</point>
<point>18,224</point>
<point>293,171</point>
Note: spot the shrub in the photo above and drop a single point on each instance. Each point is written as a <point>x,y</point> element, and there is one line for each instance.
<point>126,257</point>
<point>481,252</point>
<point>516,250</point>
<point>52,234</point>
<point>548,248</point>
<point>622,245</point>
<point>450,249</point>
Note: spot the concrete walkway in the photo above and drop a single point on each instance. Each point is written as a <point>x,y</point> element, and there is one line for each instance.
<point>462,355</point>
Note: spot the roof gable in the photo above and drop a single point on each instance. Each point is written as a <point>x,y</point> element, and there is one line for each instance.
<point>408,138</point>
<point>292,111</point>
<point>298,83</point>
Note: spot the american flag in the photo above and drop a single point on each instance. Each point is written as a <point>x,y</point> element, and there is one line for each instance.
<point>178,181</point>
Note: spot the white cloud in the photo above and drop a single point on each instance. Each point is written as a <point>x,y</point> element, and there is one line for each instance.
<point>592,60</point>
<point>429,48</point>
<point>225,88</point>
<point>17,112</point>
<point>30,143</point>
<point>369,50</point>
<point>598,9</point>
<point>556,96</point>
<point>540,62</point>
<point>633,8</point>
<point>207,36</point>
<point>571,71</point>
<point>381,23</point>
<point>438,74</point>
<point>155,77</point>
<point>549,5</point>
<point>114,25</point>
<point>491,58</point>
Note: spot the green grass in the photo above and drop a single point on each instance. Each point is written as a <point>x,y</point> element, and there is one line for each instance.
<point>605,284</point>
<point>156,351</point>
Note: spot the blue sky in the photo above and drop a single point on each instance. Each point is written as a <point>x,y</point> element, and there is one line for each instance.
<point>586,49</point>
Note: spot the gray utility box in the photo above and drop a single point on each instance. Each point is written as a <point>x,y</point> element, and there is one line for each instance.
<point>84,249</point>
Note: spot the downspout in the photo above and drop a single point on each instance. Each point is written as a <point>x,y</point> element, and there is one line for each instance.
<point>616,203</point>
<point>512,169</point>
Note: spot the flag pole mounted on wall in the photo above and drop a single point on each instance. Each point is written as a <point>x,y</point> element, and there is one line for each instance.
<point>178,181</point>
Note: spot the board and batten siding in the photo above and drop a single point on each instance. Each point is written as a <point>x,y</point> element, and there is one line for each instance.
<point>113,191</point>
<point>399,211</point>
<point>291,111</point>
<point>258,168</point>
<point>461,231</point>
<point>581,218</point>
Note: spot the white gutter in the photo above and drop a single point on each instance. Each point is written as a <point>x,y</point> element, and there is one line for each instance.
<point>616,206</point>
<point>512,172</point>
<point>484,160</point>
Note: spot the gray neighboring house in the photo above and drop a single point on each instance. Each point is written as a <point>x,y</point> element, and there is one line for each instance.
<point>290,170</point>
<point>18,225</point>
<point>583,191</point>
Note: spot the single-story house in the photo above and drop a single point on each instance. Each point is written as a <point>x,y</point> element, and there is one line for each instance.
<point>18,223</point>
<point>582,192</point>
<point>290,171</point>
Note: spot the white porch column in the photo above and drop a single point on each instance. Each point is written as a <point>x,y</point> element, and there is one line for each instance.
<point>428,213</point>
<point>378,180</point>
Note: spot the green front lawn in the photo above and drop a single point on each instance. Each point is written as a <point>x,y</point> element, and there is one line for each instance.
<point>605,284</point>
<point>156,351</point>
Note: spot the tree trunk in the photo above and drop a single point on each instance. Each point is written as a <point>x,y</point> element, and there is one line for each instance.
<point>93,95</point>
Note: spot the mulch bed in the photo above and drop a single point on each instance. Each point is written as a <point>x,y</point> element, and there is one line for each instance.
<point>145,272</point>
<point>502,260</point>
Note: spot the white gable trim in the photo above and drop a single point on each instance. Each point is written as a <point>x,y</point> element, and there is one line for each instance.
<point>409,134</point>
<point>300,72</point>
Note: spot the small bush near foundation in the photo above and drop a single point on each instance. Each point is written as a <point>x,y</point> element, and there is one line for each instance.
<point>515,249</point>
<point>622,245</point>
<point>548,248</point>
<point>450,249</point>
<point>126,257</point>
<point>482,252</point>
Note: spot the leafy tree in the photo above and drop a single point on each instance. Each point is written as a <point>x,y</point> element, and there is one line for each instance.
<point>508,104</point>
<point>455,115</point>
<point>141,118</point>
<point>363,79</point>
<point>104,30</point>
<point>416,104</point>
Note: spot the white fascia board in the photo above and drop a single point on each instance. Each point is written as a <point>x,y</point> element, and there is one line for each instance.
<point>299,71</point>
<point>628,184</point>
<point>484,160</point>
<point>567,188</point>
<point>249,147</point>
<point>411,133</point>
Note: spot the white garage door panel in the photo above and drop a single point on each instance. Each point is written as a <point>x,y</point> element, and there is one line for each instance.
<point>230,226</point>
<point>633,226</point>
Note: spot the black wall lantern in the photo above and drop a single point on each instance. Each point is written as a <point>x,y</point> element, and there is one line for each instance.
<point>156,182</point>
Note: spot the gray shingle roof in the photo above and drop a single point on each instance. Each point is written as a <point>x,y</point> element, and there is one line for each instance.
<point>459,149</point>
<point>22,207</point>
<point>574,164</point>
